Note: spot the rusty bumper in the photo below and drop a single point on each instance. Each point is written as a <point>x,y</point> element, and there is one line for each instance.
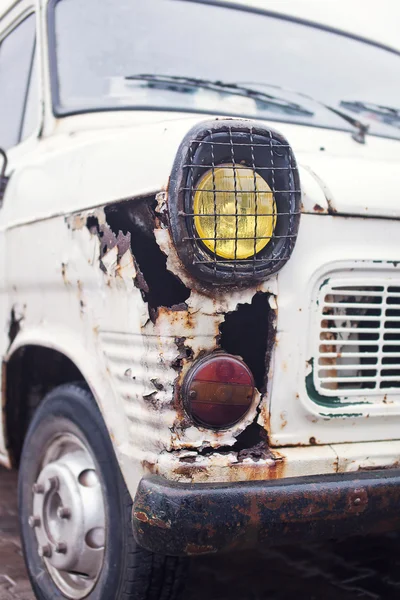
<point>185,519</point>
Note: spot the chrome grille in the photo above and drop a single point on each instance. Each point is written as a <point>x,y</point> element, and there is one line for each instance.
<point>359,338</point>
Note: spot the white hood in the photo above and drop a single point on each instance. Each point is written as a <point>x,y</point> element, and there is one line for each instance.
<point>101,160</point>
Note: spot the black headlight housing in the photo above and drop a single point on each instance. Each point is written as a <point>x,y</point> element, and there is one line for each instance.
<point>241,144</point>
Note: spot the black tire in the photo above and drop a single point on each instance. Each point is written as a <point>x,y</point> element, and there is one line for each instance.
<point>128,570</point>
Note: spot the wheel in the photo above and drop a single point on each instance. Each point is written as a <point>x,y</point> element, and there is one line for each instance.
<point>75,510</point>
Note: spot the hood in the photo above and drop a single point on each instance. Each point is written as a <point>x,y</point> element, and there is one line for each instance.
<point>354,186</point>
<point>355,179</point>
<point>96,159</point>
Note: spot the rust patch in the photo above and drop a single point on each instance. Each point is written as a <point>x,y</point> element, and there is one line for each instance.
<point>156,522</point>
<point>283,417</point>
<point>393,465</point>
<point>190,470</point>
<point>260,451</point>
<point>262,513</point>
<point>195,550</point>
<point>318,208</point>
<point>127,230</point>
<point>188,459</point>
<point>108,241</point>
<point>265,418</point>
<point>184,353</point>
<point>149,467</point>
<point>357,501</point>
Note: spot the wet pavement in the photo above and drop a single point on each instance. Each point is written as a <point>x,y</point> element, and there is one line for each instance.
<point>359,568</point>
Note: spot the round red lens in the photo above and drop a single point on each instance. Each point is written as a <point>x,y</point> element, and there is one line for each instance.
<point>219,391</point>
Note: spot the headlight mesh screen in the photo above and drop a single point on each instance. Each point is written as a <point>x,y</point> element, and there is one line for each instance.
<point>245,223</point>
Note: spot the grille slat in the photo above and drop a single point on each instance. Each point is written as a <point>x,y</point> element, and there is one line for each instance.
<point>352,305</point>
<point>348,315</point>
<point>343,367</point>
<point>358,348</point>
<point>348,329</point>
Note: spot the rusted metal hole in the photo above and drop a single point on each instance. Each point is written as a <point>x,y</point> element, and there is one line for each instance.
<point>245,333</point>
<point>92,223</point>
<point>15,326</point>
<point>137,218</point>
<point>253,443</point>
<point>185,353</point>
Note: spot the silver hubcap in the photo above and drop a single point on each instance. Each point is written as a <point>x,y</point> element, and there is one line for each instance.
<point>69,516</point>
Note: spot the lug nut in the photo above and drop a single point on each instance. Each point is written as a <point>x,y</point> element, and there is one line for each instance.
<point>61,548</point>
<point>34,521</point>
<point>45,551</point>
<point>38,488</point>
<point>54,483</point>
<point>63,513</point>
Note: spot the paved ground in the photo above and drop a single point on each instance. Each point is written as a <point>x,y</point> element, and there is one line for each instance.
<point>13,580</point>
<point>361,568</point>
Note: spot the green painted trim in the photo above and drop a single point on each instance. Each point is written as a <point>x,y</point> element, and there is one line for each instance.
<point>327,401</point>
<point>341,416</point>
<point>313,393</point>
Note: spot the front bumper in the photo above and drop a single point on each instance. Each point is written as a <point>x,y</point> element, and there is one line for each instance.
<point>185,519</point>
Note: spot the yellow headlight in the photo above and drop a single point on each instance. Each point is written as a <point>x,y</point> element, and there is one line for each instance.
<point>233,232</point>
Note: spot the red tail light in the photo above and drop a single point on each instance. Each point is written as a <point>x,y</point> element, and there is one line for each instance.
<point>218,391</point>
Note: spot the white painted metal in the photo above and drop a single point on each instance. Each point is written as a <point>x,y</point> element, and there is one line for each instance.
<point>16,11</point>
<point>298,410</point>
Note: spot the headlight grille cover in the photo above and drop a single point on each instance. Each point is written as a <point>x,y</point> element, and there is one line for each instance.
<point>239,147</point>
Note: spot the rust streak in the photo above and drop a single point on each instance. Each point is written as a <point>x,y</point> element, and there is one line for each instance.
<point>156,522</point>
<point>195,550</point>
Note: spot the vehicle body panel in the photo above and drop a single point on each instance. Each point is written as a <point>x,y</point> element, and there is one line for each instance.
<point>86,301</point>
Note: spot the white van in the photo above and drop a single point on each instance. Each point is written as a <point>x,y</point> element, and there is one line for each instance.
<point>199,285</point>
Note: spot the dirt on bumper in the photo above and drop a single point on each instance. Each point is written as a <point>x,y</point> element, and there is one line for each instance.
<point>189,519</point>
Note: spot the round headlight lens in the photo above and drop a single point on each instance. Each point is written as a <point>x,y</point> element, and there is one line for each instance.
<point>236,220</point>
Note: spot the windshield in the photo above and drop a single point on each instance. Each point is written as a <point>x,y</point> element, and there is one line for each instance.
<point>106,51</point>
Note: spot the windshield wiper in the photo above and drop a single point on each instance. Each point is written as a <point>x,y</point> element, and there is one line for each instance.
<point>387,114</point>
<point>362,128</point>
<point>185,84</point>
